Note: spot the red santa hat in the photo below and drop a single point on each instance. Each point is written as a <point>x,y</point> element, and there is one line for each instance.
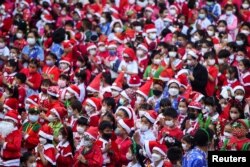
<point>114,9</point>
<point>33,99</point>
<point>67,44</point>
<point>239,87</point>
<point>117,85</point>
<point>150,8</point>
<point>53,91</point>
<point>128,52</point>
<point>193,53</point>
<point>11,104</point>
<point>60,112</point>
<point>175,8</point>
<point>13,115</point>
<point>166,75</point>
<point>183,79</point>
<point>7,7</point>
<point>178,64</point>
<point>127,124</point>
<point>114,22</point>
<point>130,33</point>
<point>79,36</point>
<point>195,105</point>
<point>112,44</point>
<point>134,81</point>
<point>151,115</point>
<point>92,132</point>
<point>94,86</point>
<point>161,148</point>
<point>47,18</point>
<point>145,89</point>
<point>102,40</point>
<point>173,81</point>
<point>75,90</point>
<point>91,46</point>
<point>149,145</point>
<point>196,96</point>
<point>65,60</point>
<point>46,132</point>
<point>119,37</point>
<point>182,71</point>
<point>128,94</point>
<point>95,102</point>
<point>150,28</point>
<point>143,46</point>
<point>127,110</point>
<point>225,92</point>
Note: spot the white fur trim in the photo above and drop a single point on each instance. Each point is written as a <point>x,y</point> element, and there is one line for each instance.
<point>91,47</point>
<point>193,54</point>
<point>91,102</point>
<point>141,93</point>
<point>31,101</point>
<point>124,94</point>
<point>194,107</point>
<point>112,46</point>
<point>13,162</point>
<point>63,61</point>
<point>239,87</point>
<point>127,110</point>
<point>173,81</point>
<point>72,91</point>
<point>124,126</point>
<point>50,160</point>
<point>48,21</point>
<point>4,145</point>
<point>165,79</point>
<point>92,89</point>
<point>53,94</point>
<point>5,106</point>
<point>147,149</point>
<point>151,30</point>
<point>26,136</point>
<point>7,117</point>
<point>147,115</point>
<point>46,136</point>
<point>53,110</point>
<point>134,85</point>
<point>116,88</point>
<point>159,150</point>
<point>199,98</point>
<point>86,133</point>
<point>142,47</point>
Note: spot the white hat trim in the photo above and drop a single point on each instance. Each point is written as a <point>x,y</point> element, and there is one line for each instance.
<point>126,109</point>
<point>124,126</point>
<point>148,116</point>
<point>91,102</point>
<point>72,91</point>
<point>45,135</point>
<point>123,93</point>
<point>142,47</point>
<point>159,150</point>
<point>151,30</point>
<point>7,117</point>
<point>141,93</point>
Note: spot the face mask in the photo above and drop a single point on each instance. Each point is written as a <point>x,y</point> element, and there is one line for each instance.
<point>61,83</point>
<point>202,16</point>
<point>60,138</point>
<point>182,110</point>
<point>156,157</point>
<point>184,146</point>
<point>121,101</point>
<point>80,129</point>
<point>227,135</point>
<point>92,52</point>
<point>143,128</point>
<point>192,116</point>
<point>138,28</point>
<point>102,48</point>
<point>220,61</point>
<point>204,50</point>
<point>103,110</point>
<point>42,140</point>
<point>27,106</point>
<point>157,92</point>
<point>245,5</point>
<point>172,54</point>
<point>239,97</point>
<point>89,16</point>
<point>118,131</point>
<point>88,109</point>
<point>157,61</point>
<point>173,91</point>
<point>63,12</point>
<point>210,33</point>
<point>129,156</point>
<point>211,62</point>
<point>51,118</point>
<point>70,111</point>
<point>221,29</point>
<point>19,35</point>
<point>228,13</point>
<point>102,20</point>
<point>234,116</point>
<point>32,164</point>
<point>118,29</point>
<point>189,62</point>
<point>245,32</point>
<point>239,133</point>
<point>115,93</point>
<point>63,66</point>
<point>107,136</point>
<point>169,123</point>
<point>139,100</point>
<point>152,36</point>
<point>139,52</point>
<point>31,41</point>
<point>87,143</point>
<point>239,42</point>
<point>141,113</point>
<point>172,12</point>
<point>49,62</point>
<point>33,118</point>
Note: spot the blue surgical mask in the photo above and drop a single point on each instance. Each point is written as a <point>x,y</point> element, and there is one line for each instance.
<point>112,52</point>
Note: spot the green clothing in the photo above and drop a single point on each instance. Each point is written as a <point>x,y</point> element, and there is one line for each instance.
<point>28,127</point>
<point>156,74</point>
<point>56,127</point>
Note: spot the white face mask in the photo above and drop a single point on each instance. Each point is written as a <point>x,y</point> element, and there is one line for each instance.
<point>239,97</point>
<point>182,110</point>
<point>92,52</point>
<point>32,164</point>
<point>143,127</point>
<point>118,29</point>
<point>169,123</point>
<point>152,36</point>
<point>115,93</point>
<point>103,110</point>
<point>221,29</point>
<point>31,41</point>
<point>88,109</point>
<point>234,116</point>
<point>138,28</point>
<point>157,61</point>
<point>229,13</point>
<point>239,58</point>
<point>139,52</point>
<point>68,95</point>
<point>172,54</point>
<point>172,12</point>
<point>19,35</point>
<point>33,118</point>
<point>184,146</point>
<point>102,20</point>
<point>129,156</point>
<point>245,32</point>
<point>51,118</point>
<point>239,42</point>
<point>210,33</point>
<point>63,66</point>
<point>173,91</point>
<point>156,157</point>
<point>27,106</point>
<point>139,99</point>
<point>80,129</point>
<point>245,5</point>
<point>220,61</point>
<point>70,111</point>
<point>102,48</point>
<point>211,62</point>
<point>42,140</point>
<point>60,138</point>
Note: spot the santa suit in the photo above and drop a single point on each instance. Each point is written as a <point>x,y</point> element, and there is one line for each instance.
<point>96,62</point>
<point>22,94</point>
<point>181,118</point>
<point>94,119</point>
<point>11,150</point>
<point>9,77</point>
<point>103,55</point>
<point>93,157</point>
<point>232,83</point>
<point>109,160</point>
<point>142,63</point>
<point>147,135</point>
<point>172,132</point>
<point>64,156</point>
<point>52,72</point>
<point>150,43</point>
<point>49,152</point>
<point>72,122</point>
<point>210,87</point>
<point>194,125</point>
<point>237,142</point>
<point>245,81</point>
<point>123,145</point>
<point>31,138</point>
<point>44,100</point>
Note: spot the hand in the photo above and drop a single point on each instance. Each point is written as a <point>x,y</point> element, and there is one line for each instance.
<point>191,77</point>
<point>137,137</point>
<point>23,134</point>
<point>124,68</point>
<point>2,140</point>
<point>43,115</point>
<point>40,148</point>
<point>107,147</point>
<point>198,26</point>
<point>81,158</point>
<point>45,76</point>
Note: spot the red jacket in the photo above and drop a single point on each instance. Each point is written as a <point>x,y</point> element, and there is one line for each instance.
<point>210,88</point>
<point>94,157</point>
<point>64,156</point>
<point>11,149</point>
<point>52,72</point>
<point>31,138</point>
<point>21,95</point>
<point>50,155</point>
<point>94,120</point>
<point>34,78</point>
<point>175,132</point>
<point>123,145</point>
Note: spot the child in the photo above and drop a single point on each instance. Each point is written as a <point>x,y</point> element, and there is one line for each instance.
<point>74,111</point>
<point>20,80</point>
<point>134,156</point>
<point>43,95</point>
<point>82,126</point>
<point>28,160</point>
<point>187,143</point>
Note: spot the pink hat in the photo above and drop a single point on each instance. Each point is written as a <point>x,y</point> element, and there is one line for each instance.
<point>11,104</point>
<point>134,81</point>
<point>95,102</point>
<point>75,90</point>
<point>92,132</point>
<point>53,91</point>
<point>117,84</point>
<point>13,115</point>
<point>127,110</point>
<point>195,105</point>
<point>46,132</point>
<point>60,112</point>
<point>145,89</point>
<point>127,124</point>
<point>151,115</point>
<point>33,99</point>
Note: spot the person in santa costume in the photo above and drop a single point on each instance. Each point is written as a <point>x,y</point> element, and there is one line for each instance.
<point>110,151</point>
<point>10,140</point>
<point>102,50</point>
<point>151,37</point>
<point>31,128</point>
<point>90,154</point>
<point>93,88</point>
<point>94,59</point>
<point>182,110</point>
<point>82,126</point>
<point>20,80</point>
<point>72,93</point>
<point>43,95</point>
<point>83,65</point>
<point>45,151</point>
<point>142,56</point>
<point>105,85</point>
<point>92,106</point>
<point>159,154</point>
<point>65,147</point>
<point>79,79</point>
<point>65,66</point>
<point>123,140</point>
<point>11,99</point>
<point>142,93</point>
<point>11,68</point>
<point>117,86</point>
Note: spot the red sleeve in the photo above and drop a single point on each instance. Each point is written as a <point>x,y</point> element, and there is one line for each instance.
<point>15,144</point>
<point>97,159</point>
<point>33,139</point>
<point>67,161</point>
<point>214,72</point>
<point>36,80</point>
<point>22,95</point>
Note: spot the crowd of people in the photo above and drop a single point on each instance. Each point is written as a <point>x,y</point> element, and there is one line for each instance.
<point>115,83</point>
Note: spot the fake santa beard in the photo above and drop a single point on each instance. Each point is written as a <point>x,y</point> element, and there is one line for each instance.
<point>6,128</point>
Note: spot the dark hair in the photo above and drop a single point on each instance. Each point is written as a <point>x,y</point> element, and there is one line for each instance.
<point>46,82</point>
<point>146,106</point>
<point>83,121</point>
<point>165,102</point>
<point>25,157</point>
<point>82,75</point>
<point>203,136</point>
<point>76,104</point>
<point>13,90</point>
<point>107,77</point>
<point>174,154</point>
<point>67,131</point>
<point>104,125</point>
<point>189,139</point>
<point>69,23</point>
<point>65,77</point>
<point>223,53</point>
<point>136,148</point>
<point>21,77</point>
<point>110,102</point>
<point>246,63</point>
<point>13,63</point>
<point>171,112</point>
<point>35,62</point>
<point>112,118</point>
<point>85,59</point>
<point>233,69</point>
<point>208,55</point>
<point>244,38</point>
<point>232,45</point>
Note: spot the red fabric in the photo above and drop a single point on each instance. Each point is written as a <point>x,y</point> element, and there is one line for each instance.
<point>94,157</point>
<point>94,120</point>
<point>142,66</point>
<point>173,132</point>
<point>50,154</point>
<point>232,84</point>
<point>239,143</point>
<point>21,94</point>
<point>210,88</point>
<point>123,146</point>
<point>52,72</point>
<point>34,78</point>
<point>65,157</point>
<point>33,139</point>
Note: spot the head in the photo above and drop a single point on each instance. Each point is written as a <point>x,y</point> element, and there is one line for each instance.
<point>203,137</point>
<point>158,87</point>
<point>66,134</point>
<point>46,83</point>
<point>191,60</point>
<point>222,26</point>
<point>202,13</point>
<point>244,65</point>
<point>240,128</point>
<point>33,65</point>
<point>193,113</point>
<point>82,125</point>
<point>11,66</point>
<point>223,56</point>
<point>170,117</point>
<point>34,113</point>
<point>63,81</point>
<point>75,108</point>
<point>187,142</point>
<point>173,89</point>
<point>146,124</point>
<point>183,106</point>
<point>32,38</point>
<point>108,105</point>
<point>51,59</point>
<point>20,78</point>
<point>236,112</point>
<point>28,160</point>
<point>106,130</point>
<point>174,154</point>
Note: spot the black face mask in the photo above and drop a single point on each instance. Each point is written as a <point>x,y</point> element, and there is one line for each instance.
<point>157,92</point>
<point>192,116</point>
<point>106,136</point>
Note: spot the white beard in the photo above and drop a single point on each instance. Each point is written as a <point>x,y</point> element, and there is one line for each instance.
<point>6,128</point>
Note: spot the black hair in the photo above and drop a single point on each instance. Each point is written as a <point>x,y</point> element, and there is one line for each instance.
<point>110,102</point>
<point>76,104</point>
<point>65,77</point>
<point>46,82</point>
<point>146,106</point>
<point>154,53</point>
<point>12,90</point>
<point>233,69</point>
<point>107,77</point>
<point>69,23</point>
<point>108,16</point>
<point>246,63</point>
<point>136,148</point>
<point>243,37</point>
<point>104,125</point>
<point>13,63</point>
<point>112,118</point>
<point>172,48</point>
<point>21,76</point>
<point>232,45</point>
<point>174,154</point>
<point>85,59</point>
<point>67,131</point>
<point>52,55</point>
<point>34,33</point>
<point>82,75</point>
<point>165,102</point>
<point>59,35</point>
<point>163,44</point>
<point>202,137</point>
<point>35,62</point>
<point>208,55</point>
<point>189,139</point>
<point>171,112</point>
<point>25,157</point>
<point>223,53</point>
<point>213,101</point>
<point>83,121</point>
